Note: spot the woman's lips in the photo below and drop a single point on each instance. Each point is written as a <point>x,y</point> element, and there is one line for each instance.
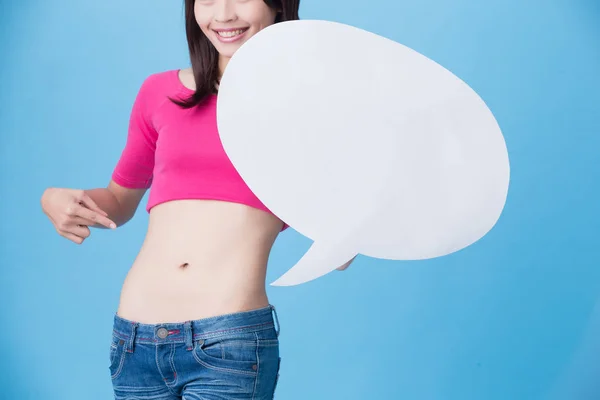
<point>230,35</point>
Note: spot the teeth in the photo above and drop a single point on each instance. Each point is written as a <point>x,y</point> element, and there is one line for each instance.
<point>229,34</point>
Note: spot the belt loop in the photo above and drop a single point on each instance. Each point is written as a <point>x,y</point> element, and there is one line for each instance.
<point>189,335</point>
<point>277,326</point>
<point>131,341</point>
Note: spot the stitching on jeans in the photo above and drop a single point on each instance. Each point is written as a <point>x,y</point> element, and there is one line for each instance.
<point>188,336</point>
<point>257,366</point>
<point>112,351</point>
<point>137,388</point>
<point>216,368</point>
<point>263,326</point>
<point>119,335</point>
<point>160,371</point>
<point>128,397</point>
<point>269,343</point>
<point>121,362</point>
<point>233,342</point>
<point>206,335</point>
<point>131,341</point>
<point>277,376</point>
<point>176,376</point>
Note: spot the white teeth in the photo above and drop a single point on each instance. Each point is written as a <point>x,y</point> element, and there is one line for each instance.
<point>230,34</point>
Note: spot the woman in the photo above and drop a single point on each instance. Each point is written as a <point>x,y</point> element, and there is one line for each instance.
<point>194,320</point>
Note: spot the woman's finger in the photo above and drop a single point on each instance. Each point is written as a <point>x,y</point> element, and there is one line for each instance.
<point>90,215</point>
<point>87,201</point>
<point>72,237</point>
<point>81,221</point>
<point>81,231</point>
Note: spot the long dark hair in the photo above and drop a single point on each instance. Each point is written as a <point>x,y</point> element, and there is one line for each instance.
<point>205,58</point>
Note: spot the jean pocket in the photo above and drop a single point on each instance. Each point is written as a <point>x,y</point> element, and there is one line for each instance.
<point>116,356</point>
<point>234,354</point>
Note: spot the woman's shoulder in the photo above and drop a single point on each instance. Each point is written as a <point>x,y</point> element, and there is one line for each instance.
<point>157,87</point>
<point>161,81</point>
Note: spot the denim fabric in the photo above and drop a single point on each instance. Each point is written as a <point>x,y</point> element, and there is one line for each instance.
<point>234,356</point>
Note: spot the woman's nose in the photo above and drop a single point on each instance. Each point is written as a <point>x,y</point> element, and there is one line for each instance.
<point>225,10</point>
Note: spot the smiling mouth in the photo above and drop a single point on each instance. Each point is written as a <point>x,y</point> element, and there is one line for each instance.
<point>231,33</point>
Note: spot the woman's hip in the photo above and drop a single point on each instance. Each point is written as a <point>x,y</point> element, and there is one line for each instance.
<point>235,353</point>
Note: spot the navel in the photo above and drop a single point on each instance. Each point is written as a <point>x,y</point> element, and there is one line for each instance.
<point>184,265</point>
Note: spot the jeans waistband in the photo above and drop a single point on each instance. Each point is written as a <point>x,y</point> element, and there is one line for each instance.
<point>131,332</point>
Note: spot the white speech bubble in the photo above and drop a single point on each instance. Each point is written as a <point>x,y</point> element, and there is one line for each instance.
<point>361,144</point>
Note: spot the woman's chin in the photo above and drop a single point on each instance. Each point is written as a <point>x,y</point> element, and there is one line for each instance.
<point>227,51</point>
<point>226,54</point>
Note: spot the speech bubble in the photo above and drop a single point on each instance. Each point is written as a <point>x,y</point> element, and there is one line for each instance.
<point>361,144</point>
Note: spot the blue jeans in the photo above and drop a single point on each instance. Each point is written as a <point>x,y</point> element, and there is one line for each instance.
<point>233,356</point>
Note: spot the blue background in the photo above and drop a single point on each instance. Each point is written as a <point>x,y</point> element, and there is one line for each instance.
<point>515,316</point>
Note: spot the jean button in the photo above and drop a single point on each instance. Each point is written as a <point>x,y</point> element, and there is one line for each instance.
<point>162,333</point>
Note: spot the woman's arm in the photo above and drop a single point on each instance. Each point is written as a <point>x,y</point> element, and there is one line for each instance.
<point>132,175</point>
<point>120,203</point>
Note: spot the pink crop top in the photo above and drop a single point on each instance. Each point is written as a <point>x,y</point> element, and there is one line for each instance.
<point>177,153</point>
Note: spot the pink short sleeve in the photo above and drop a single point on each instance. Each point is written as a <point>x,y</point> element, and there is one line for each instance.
<point>135,166</point>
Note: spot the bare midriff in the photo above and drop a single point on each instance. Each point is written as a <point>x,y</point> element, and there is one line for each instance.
<point>200,258</point>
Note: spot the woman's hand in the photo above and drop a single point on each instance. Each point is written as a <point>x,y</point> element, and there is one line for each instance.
<point>72,211</point>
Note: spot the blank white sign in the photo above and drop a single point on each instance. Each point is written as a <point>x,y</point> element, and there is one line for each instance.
<point>361,144</point>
